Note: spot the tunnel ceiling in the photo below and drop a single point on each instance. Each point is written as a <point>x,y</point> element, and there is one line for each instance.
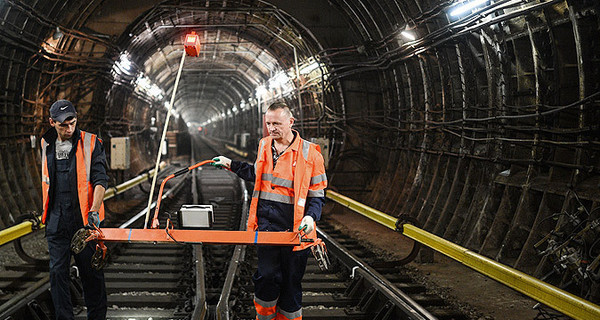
<point>242,47</point>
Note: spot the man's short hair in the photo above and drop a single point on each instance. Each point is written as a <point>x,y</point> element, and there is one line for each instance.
<point>280,105</point>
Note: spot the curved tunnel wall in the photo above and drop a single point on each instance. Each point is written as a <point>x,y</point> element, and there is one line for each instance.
<point>484,127</point>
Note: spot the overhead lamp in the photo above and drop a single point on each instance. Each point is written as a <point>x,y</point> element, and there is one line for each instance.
<point>192,44</point>
<point>278,81</point>
<point>143,81</point>
<point>309,68</point>
<point>260,91</point>
<point>57,34</point>
<point>466,6</point>
<point>124,62</point>
<point>408,35</point>
<point>155,92</point>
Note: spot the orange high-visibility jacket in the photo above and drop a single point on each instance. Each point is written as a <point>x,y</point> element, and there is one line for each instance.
<point>85,188</point>
<point>297,177</point>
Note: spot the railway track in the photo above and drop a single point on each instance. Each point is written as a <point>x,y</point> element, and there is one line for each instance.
<point>185,281</point>
<point>24,287</point>
<point>358,286</point>
<point>351,289</point>
<point>147,280</point>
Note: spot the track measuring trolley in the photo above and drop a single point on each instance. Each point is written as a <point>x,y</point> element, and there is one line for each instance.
<point>195,222</point>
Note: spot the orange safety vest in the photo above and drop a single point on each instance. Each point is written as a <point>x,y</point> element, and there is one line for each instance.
<point>85,188</point>
<point>297,177</point>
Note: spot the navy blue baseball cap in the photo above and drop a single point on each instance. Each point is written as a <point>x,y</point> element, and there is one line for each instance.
<point>61,110</point>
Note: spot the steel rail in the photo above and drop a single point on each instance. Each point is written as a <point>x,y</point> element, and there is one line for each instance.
<point>354,263</point>
<point>543,292</point>
<point>22,299</point>
<point>200,305</point>
<point>239,253</point>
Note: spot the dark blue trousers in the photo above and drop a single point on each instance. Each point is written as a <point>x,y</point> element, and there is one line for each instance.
<point>61,225</point>
<point>94,289</point>
<point>279,276</point>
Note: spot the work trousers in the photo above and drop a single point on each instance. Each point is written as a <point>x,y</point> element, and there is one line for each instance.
<point>61,226</point>
<point>278,282</point>
<point>94,290</point>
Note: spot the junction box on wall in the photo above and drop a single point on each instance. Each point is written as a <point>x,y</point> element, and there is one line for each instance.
<point>324,144</point>
<point>119,153</point>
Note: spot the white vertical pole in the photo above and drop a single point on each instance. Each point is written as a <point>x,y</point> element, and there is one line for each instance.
<point>162,140</point>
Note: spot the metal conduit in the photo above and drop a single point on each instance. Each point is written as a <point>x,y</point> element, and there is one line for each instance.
<point>545,293</point>
<point>26,227</point>
<point>113,191</point>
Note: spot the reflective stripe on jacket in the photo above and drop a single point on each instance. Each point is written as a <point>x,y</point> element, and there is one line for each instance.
<point>85,188</point>
<point>296,177</point>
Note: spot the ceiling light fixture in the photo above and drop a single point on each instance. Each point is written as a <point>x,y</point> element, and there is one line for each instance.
<point>408,35</point>
<point>57,34</point>
<point>309,68</point>
<point>466,6</point>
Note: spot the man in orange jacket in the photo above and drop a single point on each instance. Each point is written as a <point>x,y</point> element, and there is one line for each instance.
<point>289,191</point>
<point>73,183</point>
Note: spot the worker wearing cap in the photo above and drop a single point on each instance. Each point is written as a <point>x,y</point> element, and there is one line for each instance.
<point>289,182</point>
<point>73,183</point>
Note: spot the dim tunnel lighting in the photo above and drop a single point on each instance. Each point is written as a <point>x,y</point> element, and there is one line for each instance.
<point>408,35</point>
<point>466,6</point>
<point>145,86</point>
<point>279,80</point>
<point>125,62</point>
<point>123,65</point>
<point>57,34</point>
<point>309,68</point>
<point>260,91</point>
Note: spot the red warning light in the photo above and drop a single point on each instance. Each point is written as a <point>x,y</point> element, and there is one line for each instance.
<point>192,44</point>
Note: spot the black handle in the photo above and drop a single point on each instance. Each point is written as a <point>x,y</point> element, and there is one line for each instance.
<point>180,172</point>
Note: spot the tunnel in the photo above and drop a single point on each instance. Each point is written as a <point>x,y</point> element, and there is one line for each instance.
<point>477,119</point>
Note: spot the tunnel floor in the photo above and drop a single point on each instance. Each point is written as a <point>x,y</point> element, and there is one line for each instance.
<point>474,293</point>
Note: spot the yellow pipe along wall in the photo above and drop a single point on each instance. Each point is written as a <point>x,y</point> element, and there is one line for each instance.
<point>12,233</point>
<point>543,292</point>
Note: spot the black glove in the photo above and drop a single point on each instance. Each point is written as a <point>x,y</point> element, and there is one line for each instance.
<point>93,219</point>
